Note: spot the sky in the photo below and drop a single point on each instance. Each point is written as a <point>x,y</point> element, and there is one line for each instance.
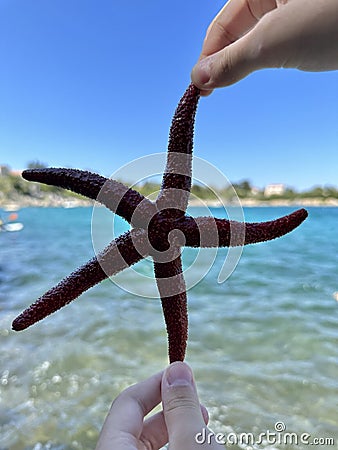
<point>94,85</point>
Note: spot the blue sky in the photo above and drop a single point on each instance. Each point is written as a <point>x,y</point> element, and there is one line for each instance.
<point>94,85</point>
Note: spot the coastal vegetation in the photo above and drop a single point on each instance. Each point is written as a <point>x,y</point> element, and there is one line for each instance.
<point>14,189</point>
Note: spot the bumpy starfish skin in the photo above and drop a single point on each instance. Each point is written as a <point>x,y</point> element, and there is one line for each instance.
<point>160,229</point>
<point>117,197</point>
<point>171,286</point>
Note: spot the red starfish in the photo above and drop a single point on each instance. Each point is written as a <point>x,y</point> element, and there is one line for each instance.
<point>160,229</point>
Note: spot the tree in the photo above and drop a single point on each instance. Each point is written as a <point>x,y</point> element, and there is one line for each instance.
<point>36,164</point>
<point>4,170</point>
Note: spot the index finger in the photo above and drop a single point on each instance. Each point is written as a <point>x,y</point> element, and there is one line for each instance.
<point>234,20</point>
<point>128,410</point>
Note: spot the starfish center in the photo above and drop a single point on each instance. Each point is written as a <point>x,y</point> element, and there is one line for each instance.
<point>164,235</point>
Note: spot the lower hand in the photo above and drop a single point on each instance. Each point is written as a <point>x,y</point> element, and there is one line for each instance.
<point>182,417</point>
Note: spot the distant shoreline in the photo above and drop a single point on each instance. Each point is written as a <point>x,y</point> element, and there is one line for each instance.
<point>61,202</point>
<point>17,193</point>
<point>14,205</point>
<point>247,203</point>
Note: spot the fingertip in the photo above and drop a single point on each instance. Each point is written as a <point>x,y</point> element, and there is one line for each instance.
<point>205,414</point>
<point>200,74</point>
<point>178,373</point>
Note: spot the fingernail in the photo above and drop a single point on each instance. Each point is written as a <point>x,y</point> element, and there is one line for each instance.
<point>201,73</point>
<point>179,373</point>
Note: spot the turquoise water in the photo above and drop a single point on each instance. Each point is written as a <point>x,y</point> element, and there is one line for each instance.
<point>263,345</point>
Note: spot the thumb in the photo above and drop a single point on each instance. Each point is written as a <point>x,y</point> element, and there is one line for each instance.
<point>181,406</point>
<point>226,66</point>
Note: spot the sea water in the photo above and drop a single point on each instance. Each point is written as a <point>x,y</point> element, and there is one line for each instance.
<point>263,345</point>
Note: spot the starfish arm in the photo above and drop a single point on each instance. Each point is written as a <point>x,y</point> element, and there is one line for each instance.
<point>116,196</point>
<point>171,285</point>
<point>267,231</point>
<point>211,232</point>
<point>118,255</point>
<point>176,183</point>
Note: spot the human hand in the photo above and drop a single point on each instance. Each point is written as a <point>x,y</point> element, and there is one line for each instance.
<point>248,35</point>
<point>179,422</point>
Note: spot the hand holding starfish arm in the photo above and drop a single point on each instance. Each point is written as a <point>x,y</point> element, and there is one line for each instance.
<point>248,35</point>
<point>159,229</point>
<point>182,422</point>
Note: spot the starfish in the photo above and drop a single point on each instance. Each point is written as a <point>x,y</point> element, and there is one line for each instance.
<point>158,229</point>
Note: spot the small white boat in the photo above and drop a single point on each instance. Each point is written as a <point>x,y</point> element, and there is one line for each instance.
<point>16,226</point>
<point>8,224</point>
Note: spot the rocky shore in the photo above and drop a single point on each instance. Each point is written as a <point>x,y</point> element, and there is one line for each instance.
<point>332,202</point>
<point>57,201</point>
<point>47,201</point>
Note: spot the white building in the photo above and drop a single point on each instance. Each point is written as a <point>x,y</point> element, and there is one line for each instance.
<point>274,189</point>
